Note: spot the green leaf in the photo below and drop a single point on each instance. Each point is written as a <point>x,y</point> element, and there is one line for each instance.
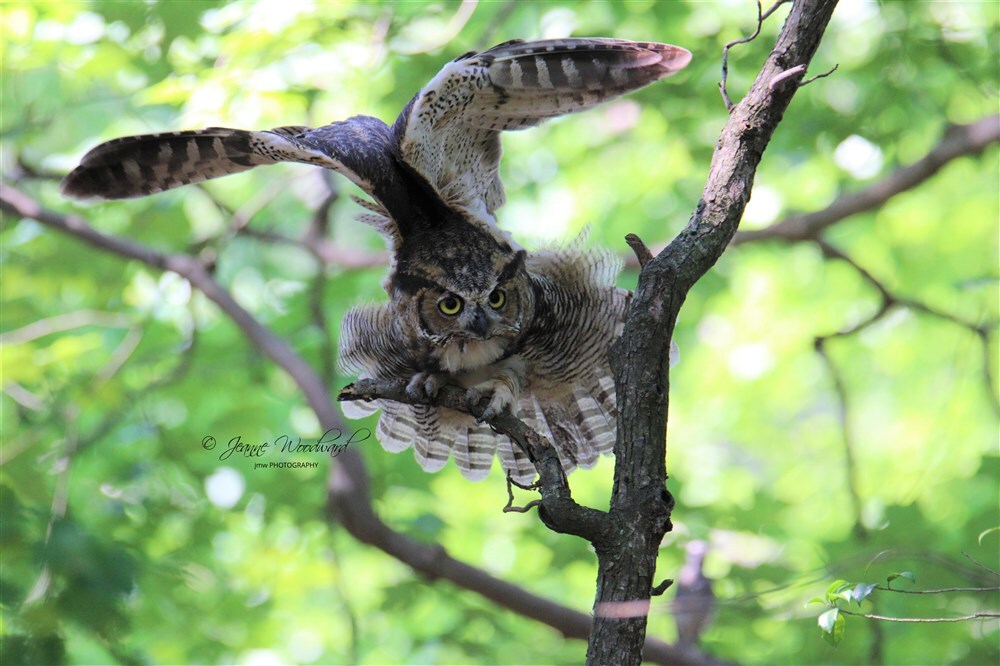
<point>833,625</point>
<point>901,574</point>
<point>861,592</point>
<point>838,589</point>
<point>828,619</point>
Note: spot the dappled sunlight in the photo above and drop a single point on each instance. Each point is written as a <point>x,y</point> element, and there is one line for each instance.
<point>833,416</point>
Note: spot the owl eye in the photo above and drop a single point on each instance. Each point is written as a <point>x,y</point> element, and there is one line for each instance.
<point>497,299</point>
<point>450,305</point>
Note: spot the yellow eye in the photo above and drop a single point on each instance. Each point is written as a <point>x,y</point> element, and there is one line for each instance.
<point>450,305</point>
<point>497,299</point>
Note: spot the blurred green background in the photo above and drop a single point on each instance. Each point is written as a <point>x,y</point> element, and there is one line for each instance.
<point>125,541</point>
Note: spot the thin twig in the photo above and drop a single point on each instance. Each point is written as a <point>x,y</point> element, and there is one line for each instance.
<point>642,253</point>
<point>962,618</point>
<point>942,590</point>
<point>819,76</point>
<point>761,17</point>
<point>510,508</point>
<point>510,496</point>
<point>980,564</point>
<point>844,420</point>
<point>349,500</point>
<point>787,74</point>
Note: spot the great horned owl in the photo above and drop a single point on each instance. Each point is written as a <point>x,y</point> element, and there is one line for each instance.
<point>467,305</point>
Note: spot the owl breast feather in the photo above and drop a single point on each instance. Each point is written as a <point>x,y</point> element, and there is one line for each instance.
<point>461,355</point>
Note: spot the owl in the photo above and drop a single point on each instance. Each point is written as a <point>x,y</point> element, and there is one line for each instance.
<point>529,331</point>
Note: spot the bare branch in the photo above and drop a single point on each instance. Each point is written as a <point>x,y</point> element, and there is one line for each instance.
<point>980,564</point>
<point>889,301</point>
<point>961,618</point>
<point>318,231</point>
<point>642,253</point>
<point>943,590</point>
<point>958,141</point>
<point>819,76</point>
<point>348,498</point>
<point>559,511</point>
<point>798,70</point>
<point>843,417</point>
<point>761,17</point>
<point>65,322</point>
<point>349,502</point>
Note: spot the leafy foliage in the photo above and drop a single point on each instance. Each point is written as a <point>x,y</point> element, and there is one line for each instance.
<point>126,539</point>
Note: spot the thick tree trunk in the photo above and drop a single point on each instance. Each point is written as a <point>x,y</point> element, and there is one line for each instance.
<point>640,503</point>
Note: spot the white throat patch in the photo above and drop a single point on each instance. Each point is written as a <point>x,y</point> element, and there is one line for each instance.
<point>470,354</point>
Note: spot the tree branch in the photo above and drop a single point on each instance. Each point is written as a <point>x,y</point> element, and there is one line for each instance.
<point>640,504</point>
<point>961,618</point>
<point>943,590</point>
<point>349,503</point>
<point>558,510</point>
<point>348,497</point>
<point>958,141</point>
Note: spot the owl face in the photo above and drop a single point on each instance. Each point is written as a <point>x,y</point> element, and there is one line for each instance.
<point>471,328</point>
<point>455,312</point>
<point>470,313</point>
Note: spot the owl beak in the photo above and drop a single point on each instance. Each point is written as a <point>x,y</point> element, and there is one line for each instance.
<point>480,325</point>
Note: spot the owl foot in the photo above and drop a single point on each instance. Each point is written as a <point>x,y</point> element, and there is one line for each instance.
<point>424,386</point>
<point>502,398</point>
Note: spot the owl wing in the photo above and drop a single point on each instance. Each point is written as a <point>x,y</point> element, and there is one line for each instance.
<point>136,166</point>
<point>579,313</point>
<point>449,133</point>
<point>372,348</point>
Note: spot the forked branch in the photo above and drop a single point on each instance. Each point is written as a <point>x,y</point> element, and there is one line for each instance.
<point>557,509</point>
<point>348,497</point>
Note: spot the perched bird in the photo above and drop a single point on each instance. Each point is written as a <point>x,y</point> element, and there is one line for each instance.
<point>467,305</point>
<point>694,601</point>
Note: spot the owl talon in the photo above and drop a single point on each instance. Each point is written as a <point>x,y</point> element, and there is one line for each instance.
<point>500,400</point>
<point>472,398</point>
<point>424,386</point>
<point>433,384</point>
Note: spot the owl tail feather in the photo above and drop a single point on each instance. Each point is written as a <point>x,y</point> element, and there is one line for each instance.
<point>580,424</point>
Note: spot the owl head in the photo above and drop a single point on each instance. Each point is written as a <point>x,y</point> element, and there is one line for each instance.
<point>464,292</point>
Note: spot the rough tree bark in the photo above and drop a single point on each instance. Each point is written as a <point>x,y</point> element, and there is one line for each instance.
<point>640,503</point>
<point>627,537</point>
<point>348,498</point>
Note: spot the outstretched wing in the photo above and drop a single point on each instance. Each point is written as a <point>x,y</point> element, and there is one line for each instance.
<point>449,133</point>
<point>136,166</point>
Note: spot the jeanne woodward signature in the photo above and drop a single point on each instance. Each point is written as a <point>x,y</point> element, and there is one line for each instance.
<point>331,443</point>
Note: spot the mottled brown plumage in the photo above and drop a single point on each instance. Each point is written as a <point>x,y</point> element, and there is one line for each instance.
<point>466,304</point>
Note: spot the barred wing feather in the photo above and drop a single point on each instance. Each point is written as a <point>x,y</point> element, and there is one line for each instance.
<point>449,132</point>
